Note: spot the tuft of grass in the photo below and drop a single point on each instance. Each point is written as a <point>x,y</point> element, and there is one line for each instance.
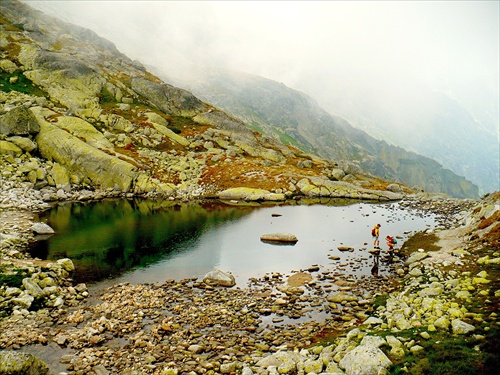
<point>13,279</point>
<point>106,97</point>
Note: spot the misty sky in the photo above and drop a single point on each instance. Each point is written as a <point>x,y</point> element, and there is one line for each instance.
<point>352,46</point>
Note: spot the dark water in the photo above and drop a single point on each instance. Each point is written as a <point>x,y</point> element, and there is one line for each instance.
<point>152,241</point>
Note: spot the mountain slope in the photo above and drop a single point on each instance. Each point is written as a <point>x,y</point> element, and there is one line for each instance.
<point>78,115</point>
<point>278,110</point>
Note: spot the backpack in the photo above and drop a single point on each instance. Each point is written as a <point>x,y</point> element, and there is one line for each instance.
<point>395,241</point>
<point>373,232</point>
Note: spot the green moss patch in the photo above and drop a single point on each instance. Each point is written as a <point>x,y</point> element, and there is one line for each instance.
<point>426,241</point>
<point>21,84</point>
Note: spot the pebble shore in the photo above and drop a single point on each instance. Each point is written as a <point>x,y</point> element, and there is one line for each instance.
<point>273,325</point>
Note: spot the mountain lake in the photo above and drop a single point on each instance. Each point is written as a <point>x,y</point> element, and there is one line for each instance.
<point>150,241</point>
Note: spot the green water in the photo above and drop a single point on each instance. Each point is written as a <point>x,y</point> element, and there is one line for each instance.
<point>104,239</point>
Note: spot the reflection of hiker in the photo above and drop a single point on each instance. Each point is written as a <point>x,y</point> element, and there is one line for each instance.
<point>374,269</point>
<point>391,241</point>
<point>375,235</point>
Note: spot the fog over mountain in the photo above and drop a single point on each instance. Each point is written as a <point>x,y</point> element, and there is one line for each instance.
<point>422,75</point>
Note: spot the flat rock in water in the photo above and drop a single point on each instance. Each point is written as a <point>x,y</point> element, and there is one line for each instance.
<point>279,238</point>
<point>345,248</point>
<point>374,251</point>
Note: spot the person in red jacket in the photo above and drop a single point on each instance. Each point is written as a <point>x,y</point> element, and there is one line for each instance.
<point>391,241</point>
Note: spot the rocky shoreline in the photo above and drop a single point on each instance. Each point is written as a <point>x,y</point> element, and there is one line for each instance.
<point>274,325</point>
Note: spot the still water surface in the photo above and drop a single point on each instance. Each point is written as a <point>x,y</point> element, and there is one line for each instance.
<point>152,241</point>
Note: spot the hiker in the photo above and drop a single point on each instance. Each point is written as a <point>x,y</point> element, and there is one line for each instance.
<point>375,235</point>
<point>391,241</point>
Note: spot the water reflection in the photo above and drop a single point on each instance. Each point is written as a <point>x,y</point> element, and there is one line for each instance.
<point>151,241</point>
<point>104,239</point>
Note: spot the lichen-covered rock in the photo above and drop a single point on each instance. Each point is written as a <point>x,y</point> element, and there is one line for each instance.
<point>9,148</point>
<point>67,79</point>
<point>168,98</point>
<point>23,143</point>
<point>19,363</point>
<point>19,121</point>
<point>66,264</point>
<point>87,162</point>
<point>84,131</point>
<point>170,134</point>
<point>365,360</point>
<point>461,328</point>
<point>250,194</point>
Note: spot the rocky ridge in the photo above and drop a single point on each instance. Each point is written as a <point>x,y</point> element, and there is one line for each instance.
<point>76,115</point>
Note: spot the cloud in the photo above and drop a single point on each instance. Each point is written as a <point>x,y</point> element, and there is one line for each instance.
<point>325,48</point>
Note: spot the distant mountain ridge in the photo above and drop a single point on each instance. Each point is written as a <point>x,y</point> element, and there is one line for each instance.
<point>441,128</point>
<point>295,118</point>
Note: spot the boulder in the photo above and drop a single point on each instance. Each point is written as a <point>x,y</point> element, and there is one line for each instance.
<point>61,177</point>
<point>84,131</point>
<point>19,363</point>
<point>279,238</point>
<point>219,278</point>
<point>365,360</point>
<point>341,297</point>
<point>163,130</point>
<point>249,194</point>
<point>87,162</point>
<point>395,188</point>
<point>168,98</point>
<point>67,79</point>
<point>23,143</point>
<point>337,174</point>
<point>9,148</point>
<point>32,287</point>
<point>66,264</point>
<point>42,228</point>
<point>461,328</point>
<point>416,257</point>
<point>19,121</point>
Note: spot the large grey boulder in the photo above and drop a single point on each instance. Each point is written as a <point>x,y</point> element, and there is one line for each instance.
<point>19,121</point>
<point>18,363</point>
<point>219,278</point>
